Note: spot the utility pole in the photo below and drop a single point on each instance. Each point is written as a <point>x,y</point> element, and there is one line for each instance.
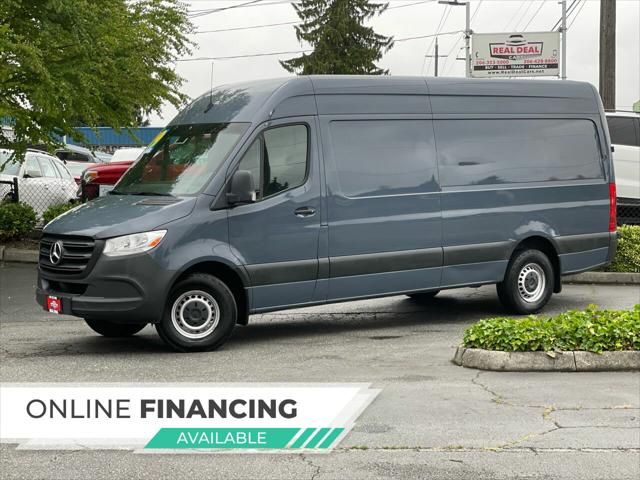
<point>467,32</point>
<point>563,29</point>
<point>436,56</point>
<point>607,85</point>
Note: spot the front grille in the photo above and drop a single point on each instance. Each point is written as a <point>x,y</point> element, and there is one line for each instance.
<point>76,254</point>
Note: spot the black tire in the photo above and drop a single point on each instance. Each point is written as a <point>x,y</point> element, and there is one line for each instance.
<point>114,330</point>
<point>528,283</point>
<point>189,320</point>
<point>424,296</point>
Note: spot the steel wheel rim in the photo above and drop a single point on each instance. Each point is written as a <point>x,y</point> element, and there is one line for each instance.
<point>531,283</point>
<point>195,314</point>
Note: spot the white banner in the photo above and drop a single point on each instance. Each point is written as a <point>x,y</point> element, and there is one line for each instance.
<point>153,417</point>
<point>528,54</point>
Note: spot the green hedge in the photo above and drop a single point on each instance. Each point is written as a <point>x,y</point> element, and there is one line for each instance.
<point>592,330</point>
<point>57,210</point>
<point>17,220</point>
<point>628,255</point>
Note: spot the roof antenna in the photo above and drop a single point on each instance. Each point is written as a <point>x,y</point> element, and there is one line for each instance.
<point>210,106</point>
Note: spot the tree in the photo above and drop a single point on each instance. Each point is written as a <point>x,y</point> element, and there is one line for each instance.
<point>341,43</point>
<point>98,63</point>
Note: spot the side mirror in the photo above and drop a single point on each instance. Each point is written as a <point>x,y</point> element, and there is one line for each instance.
<point>242,189</point>
<point>32,174</point>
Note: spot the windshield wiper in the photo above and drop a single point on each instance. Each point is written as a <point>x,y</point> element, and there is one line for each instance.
<point>149,194</point>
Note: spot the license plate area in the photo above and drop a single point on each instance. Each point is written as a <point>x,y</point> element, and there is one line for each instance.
<point>53,304</point>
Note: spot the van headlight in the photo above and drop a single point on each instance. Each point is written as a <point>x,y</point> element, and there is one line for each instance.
<point>134,243</point>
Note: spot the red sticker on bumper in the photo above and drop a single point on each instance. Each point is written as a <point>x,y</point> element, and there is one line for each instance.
<point>54,304</point>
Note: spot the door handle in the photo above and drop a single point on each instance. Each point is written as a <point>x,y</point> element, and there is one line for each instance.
<point>305,212</point>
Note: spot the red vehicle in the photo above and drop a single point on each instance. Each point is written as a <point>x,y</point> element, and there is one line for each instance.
<point>98,180</point>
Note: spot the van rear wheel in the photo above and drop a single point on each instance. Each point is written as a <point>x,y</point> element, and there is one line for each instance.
<point>200,314</point>
<point>114,330</point>
<point>528,283</point>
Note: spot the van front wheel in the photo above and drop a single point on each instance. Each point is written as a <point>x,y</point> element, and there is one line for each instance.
<point>200,314</point>
<point>528,283</point>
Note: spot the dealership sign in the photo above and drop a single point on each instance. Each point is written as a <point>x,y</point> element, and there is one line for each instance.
<point>172,417</point>
<point>527,54</point>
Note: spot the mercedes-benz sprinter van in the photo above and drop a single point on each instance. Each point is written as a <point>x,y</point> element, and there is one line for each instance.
<point>308,190</point>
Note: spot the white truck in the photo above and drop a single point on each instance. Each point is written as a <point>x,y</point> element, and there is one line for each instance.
<point>624,129</point>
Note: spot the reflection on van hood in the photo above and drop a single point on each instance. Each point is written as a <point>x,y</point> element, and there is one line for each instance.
<point>116,215</point>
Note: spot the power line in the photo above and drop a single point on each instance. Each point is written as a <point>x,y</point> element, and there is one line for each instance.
<point>250,27</point>
<point>571,7</point>
<point>524,14</point>
<point>201,13</point>
<point>443,20</point>
<point>514,16</point>
<point>535,14</point>
<point>584,2</point>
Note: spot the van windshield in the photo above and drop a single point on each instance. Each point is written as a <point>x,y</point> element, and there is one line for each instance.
<point>181,160</point>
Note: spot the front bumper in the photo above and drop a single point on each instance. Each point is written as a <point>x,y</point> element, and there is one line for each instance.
<point>128,289</point>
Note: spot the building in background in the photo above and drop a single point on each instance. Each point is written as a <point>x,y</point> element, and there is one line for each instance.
<point>107,139</point>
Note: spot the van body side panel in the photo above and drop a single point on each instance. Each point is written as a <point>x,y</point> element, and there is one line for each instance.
<point>508,179</point>
<point>383,198</point>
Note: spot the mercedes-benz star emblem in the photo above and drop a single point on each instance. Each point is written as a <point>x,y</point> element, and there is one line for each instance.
<point>55,254</point>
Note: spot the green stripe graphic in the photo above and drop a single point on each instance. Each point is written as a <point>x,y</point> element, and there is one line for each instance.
<point>303,438</point>
<point>331,438</point>
<point>316,438</point>
<point>244,438</point>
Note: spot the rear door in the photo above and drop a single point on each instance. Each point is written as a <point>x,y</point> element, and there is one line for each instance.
<point>53,190</point>
<point>276,238</point>
<point>625,137</point>
<point>383,197</point>
<point>31,190</point>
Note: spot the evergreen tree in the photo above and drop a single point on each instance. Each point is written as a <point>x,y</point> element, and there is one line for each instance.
<point>341,43</point>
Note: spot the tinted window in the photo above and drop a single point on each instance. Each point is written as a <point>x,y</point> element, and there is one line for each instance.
<point>282,154</point>
<point>73,156</point>
<point>285,158</point>
<point>384,157</point>
<point>476,152</point>
<point>622,131</point>
<point>48,170</point>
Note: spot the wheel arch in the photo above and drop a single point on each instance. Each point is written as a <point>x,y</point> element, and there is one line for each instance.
<point>546,246</point>
<point>233,276</point>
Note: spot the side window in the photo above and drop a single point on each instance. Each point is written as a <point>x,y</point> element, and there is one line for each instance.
<point>622,131</point>
<point>486,152</point>
<point>48,170</point>
<point>277,159</point>
<point>61,169</point>
<point>31,165</point>
<point>384,157</point>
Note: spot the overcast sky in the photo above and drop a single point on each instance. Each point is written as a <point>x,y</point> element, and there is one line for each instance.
<point>406,18</point>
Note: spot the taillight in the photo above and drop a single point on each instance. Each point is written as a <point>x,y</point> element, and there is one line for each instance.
<point>612,207</point>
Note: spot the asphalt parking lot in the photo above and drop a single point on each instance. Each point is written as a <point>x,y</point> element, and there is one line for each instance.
<point>431,420</point>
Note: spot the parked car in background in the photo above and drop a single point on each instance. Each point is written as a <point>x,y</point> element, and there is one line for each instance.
<point>624,130</point>
<point>105,157</point>
<point>126,154</point>
<point>100,179</point>
<point>74,153</point>
<point>43,180</point>
<point>78,168</point>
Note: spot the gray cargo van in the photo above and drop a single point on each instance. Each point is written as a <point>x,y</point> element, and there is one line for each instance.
<point>308,190</point>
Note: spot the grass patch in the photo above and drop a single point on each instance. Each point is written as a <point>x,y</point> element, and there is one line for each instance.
<point>591,330</point>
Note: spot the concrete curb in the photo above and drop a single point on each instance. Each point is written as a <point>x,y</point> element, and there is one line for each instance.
<point>614,278</point>
<point>18,255</point>
<point>568,361</point>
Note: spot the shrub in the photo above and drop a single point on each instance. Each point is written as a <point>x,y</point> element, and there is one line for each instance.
<point>592,330</point>
<point>56,210</point>
<point>627,257</point>
<point>17,220</point>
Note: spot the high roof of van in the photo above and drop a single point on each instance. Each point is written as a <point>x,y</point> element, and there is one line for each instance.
<point>259,101</point>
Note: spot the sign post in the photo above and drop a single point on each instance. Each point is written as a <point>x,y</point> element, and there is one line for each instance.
<point>530,54</point>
